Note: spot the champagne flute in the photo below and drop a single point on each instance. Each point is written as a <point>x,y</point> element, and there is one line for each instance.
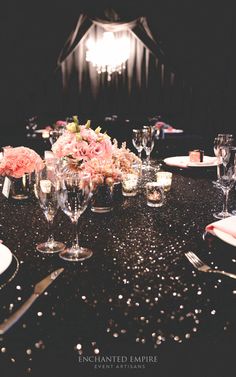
<point>74,194</point>
<point>227,177</point>
<point>220,141</point>
<point>148,143</point>
<point>137,141</point>
<point>46,193</point>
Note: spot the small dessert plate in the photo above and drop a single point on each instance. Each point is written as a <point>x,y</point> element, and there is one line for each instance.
<point>5,258</point>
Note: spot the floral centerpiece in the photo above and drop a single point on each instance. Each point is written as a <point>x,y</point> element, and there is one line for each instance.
<point>94,152</point>
<point>17,164</point>
<point>18,161</point>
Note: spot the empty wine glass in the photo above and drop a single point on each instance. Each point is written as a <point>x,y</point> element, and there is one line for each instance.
<point>137,141</point>
<point>46,192</point>
<point>74,195</point>
<point>220,141</point>
<point>227,176</point>
<point>148,143</point>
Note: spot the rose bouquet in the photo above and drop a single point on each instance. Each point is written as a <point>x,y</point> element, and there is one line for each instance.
<point>18,161</point>
<point>82,143</point>
<point>92,151</point>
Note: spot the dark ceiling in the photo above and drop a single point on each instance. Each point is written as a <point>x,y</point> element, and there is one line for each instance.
<point>197,37</point>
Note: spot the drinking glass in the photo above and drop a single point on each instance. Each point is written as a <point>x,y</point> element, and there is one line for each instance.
<point>219,141</point>
<point>46,192</point>
<point>148,144</point>
<point>227,176</point>
<point>137,141</point>
<point>74,195</point>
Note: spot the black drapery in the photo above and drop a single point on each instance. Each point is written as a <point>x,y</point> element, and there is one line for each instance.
<point>198,41</point>
<point>149,86</point>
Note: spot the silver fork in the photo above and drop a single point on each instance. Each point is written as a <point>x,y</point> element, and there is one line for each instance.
<point>201,266</point>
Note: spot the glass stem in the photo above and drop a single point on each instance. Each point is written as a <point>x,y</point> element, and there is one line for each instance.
<point>75,243</point>
<point>140,154</point>
<point>148,159</point>
<point>218,170</point>
<point>225,201</point>
<point>50,232</point>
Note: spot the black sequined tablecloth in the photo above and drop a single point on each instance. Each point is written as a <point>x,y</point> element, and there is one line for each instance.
<point>137,295</point>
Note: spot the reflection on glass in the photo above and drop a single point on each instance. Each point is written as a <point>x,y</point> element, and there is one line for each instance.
<point>226,178</point>
<point>137,141</point>
<point>46,193</point>
<point>74,196</point>
<point>148,143</point>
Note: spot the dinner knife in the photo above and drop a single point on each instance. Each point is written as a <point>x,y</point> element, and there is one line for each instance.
<point>38,290</point>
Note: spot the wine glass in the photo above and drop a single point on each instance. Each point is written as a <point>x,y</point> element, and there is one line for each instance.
<point>137,141</point>
<point>46,192</point>
<point>148,143</point>
<point>220,141</point>
<point>227,177</point>
<point>74,195</point>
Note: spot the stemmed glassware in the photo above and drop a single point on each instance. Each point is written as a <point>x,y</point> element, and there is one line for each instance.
<point>220,141</point>
<point>46,192</point>
<point>148,143</point>
<point>74,195</point>
<point>226,177</point>
<point>137,140</point>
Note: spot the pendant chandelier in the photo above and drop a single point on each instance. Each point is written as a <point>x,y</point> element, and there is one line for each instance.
<point>108,54</point>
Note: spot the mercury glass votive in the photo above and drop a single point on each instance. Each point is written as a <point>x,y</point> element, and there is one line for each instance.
<point>155,194</point>
<point>130,184</point>
<point>164,178</point>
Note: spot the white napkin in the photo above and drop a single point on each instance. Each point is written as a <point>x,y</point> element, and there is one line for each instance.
<point>227,225</point>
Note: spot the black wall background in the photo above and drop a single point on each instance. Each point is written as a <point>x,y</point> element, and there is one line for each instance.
<point>198,38</point>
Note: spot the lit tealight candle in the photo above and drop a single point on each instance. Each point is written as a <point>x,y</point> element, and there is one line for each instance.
<point>130,184</point>
<point>164,178</point>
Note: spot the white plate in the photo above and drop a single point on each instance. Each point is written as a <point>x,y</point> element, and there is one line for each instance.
<point>41,131</point>
<point>174,131</point>
<point>207,161</point>
<point>5,258</point>
<point>183,162</point>
<point>225,237</point>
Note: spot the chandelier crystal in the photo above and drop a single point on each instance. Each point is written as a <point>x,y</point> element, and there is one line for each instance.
<point>109,54</point>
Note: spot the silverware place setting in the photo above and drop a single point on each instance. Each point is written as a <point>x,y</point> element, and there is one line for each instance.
<point>203,267</point>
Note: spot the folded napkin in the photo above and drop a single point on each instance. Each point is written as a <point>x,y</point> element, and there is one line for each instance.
<point>227,225</point>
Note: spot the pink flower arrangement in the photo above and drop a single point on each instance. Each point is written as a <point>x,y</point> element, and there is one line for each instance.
<point>93,152</point>
<point>102,172</point>
<point>18,161</point>
<point>110,170</point>
<point>83,143</point>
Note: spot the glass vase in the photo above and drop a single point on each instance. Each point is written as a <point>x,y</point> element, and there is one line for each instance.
<point>102,199</point>
<point>20,187</point>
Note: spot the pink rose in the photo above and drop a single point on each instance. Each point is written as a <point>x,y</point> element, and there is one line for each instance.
<point>96,150</point>
<point>88,134</point>
<point>18,161</point>
<point>107,147</point>
<point>61,123</point>
<point>82,151</point>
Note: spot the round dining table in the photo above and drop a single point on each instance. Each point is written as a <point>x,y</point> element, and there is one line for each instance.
<point>137,306</point>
